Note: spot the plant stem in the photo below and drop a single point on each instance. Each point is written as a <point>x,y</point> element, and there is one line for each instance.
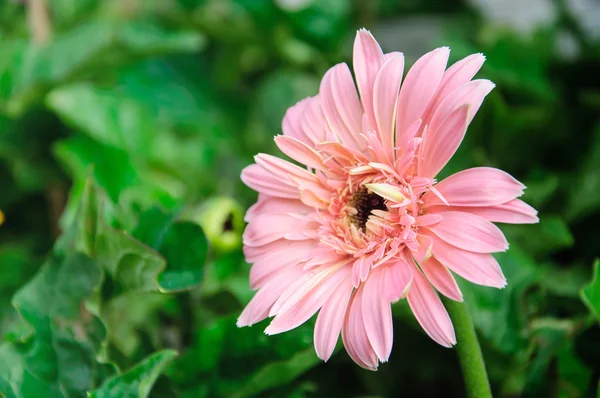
<point>469,352</point>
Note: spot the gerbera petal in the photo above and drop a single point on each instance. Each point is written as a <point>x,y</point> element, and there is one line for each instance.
<point>312,121</point>
<point>513,212</point>
<point>291,124</point>
<point>266,265</point>
<point>479,186</point>
<point>273,205</point>
<point>471,93</point>
<point>367,61</point>
<point>399,276</point>
<point>299,151</point>
<point>470,232</point>
<point>441,278</point>
<point>419,86</point>
<point>430,311</point>
<point>355,337</point>
<point>458,74</point>
<point>341,106</point>
<point>385,99</point>
<point>479,268</point>
<point>330,320</point>
<point>306,283</point>
<point>378,315</point>
<point>442,143</point>
<point>283,170</point>
<point>264,182</point>
<point>308,305</point>
<point>258,308</point>
<point>271,227</point>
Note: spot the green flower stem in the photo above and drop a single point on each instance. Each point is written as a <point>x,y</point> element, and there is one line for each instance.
<point>469,352</point>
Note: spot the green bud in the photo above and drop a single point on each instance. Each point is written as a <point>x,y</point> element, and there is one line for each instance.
<point>222,220</point>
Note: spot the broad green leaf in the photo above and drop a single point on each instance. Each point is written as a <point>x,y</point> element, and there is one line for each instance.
<point>117,122</point>
<point>185,248</point>
<point>112,169</point>
<point>17,266</point>
<point>16,381</point>
<point>133,266</point>
<point>138,381</point>
<point>182,244</point>
<point>590,294</point>
<point>60,354</point>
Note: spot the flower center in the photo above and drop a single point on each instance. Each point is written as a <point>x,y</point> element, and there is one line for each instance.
<point>364,202</point>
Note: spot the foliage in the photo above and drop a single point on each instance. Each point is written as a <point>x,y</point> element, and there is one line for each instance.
<point>122,136</point>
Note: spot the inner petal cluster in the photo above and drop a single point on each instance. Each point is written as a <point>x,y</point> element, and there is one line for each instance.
<point>361,206</point>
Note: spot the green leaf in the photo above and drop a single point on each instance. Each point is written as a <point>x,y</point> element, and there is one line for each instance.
<point>137,381</point>
<point>61,353</point>
<point>117,122</point>
<point>182,244</point>
<point>17,266</point>
<point>590,294</point>
<point>133,266</point>
<point>16,381</point>
<point>112,168</point>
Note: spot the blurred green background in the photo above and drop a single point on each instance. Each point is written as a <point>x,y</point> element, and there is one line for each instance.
<point>124,125</point>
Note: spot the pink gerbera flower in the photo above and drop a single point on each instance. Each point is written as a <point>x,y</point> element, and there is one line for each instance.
<point>366,224</point>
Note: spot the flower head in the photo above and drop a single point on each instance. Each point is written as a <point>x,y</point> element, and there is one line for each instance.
<point>365,223</point>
